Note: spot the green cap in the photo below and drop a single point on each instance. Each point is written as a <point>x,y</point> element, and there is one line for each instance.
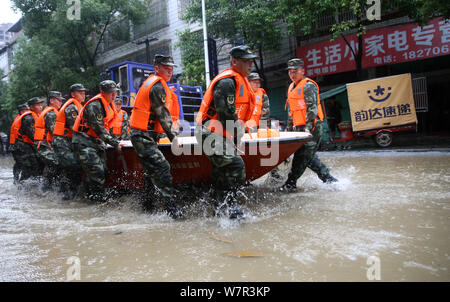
<point>118,101</point>
<point>22,107</point>
<point>295,63</point>
<point>108,86</point>
<point>242,52</point>
<point>34,100</point>
<point>77,87</point>
<point>55,94</point>
<point>253,76</point>
<point>164,60</point>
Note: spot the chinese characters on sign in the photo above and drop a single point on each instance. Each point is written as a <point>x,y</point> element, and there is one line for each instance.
<point>388,45</point>
<point>382,101</point>
<point>384,112</point>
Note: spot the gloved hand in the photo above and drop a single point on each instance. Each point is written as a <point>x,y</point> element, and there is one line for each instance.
<point>253,129</point>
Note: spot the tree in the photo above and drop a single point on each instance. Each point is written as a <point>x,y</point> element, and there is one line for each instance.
<point>423,11</point>
<point>5,119</point>
<point>255,23</point>
<point>192,58</point>
<point>59,51</point>
<point>48,18</point>
<point>351,15</point>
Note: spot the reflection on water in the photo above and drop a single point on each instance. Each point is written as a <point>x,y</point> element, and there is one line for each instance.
<point>395,206</point>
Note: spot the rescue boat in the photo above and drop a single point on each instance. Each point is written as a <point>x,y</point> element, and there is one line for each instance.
<point>260,152</point>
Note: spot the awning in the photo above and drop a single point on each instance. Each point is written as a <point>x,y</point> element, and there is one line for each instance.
<point>332,92</point>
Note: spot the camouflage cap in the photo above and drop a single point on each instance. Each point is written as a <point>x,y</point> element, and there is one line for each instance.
<point>118,101</point>
<point>164,60</point>
<point>55,94</point>
<point>242,52</point>
<point>77,87</point>
<point>295,63</point>
<point>22,107</point>
<point>254,76</point>
<point>108,86</point>
<point>34,100</point>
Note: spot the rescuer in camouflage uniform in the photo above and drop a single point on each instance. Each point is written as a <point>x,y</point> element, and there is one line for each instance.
<point>17,168</point>
<point>125,131</point>
<point>255,82</point>
<point>228,169</point>
<point>26,154</point>
<point>306,156</point>
<point>91,151</point>
<point>45,150</point>
<point>62,145</point>
<point>156,167</point>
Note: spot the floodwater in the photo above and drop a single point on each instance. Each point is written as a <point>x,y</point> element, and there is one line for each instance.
<point>393,207</point>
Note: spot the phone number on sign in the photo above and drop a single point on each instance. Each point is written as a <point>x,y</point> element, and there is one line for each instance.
<point>423,53</point>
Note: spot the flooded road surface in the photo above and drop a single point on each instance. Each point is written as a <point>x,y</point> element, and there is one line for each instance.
<point>388,217</point>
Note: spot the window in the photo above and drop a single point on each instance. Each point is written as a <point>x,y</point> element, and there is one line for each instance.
<point>156,20</point>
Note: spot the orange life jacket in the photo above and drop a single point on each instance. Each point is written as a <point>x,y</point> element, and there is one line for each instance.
<point>244,101</point>
<point>60,124</point>
<point>81,125</point>
<point>40,132</point>
<point>174,109</point>
<point>174,106</point>
<point>117,123</point>
<point>140,115</point>
<point>15,129</point>
<point>297,106</point>
<point>256,115</point>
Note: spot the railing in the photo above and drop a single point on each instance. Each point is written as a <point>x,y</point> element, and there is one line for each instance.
<point>419,86</point>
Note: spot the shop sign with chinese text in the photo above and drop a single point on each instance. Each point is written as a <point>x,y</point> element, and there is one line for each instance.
<point>382,46</point>
<point>382,102</point>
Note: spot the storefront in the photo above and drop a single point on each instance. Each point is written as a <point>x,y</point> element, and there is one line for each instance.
<point>408,48</point>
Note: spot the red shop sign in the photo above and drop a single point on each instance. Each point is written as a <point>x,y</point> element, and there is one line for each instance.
<point>383,46</point>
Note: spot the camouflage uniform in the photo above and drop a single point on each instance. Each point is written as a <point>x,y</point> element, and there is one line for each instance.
<point>156,167</point>
<point>265,115</point>
<point>124,133</point>
<point>46,153</point>
<point>306,156</point>
<point>228,168</point>
<point>69,163</point>
<point>265,110</point>
<point>25,155</point>
<point>90,151</point>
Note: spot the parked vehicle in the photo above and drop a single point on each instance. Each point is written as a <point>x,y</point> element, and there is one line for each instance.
<point>375,108</point>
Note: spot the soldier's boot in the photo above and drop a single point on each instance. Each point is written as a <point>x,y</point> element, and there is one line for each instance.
<point>47,185</point>
<point>170,197</point>
<point>147,196</point>
<point>228,205</point>
<point>289,186</point>
<point>275,174</point>
<point>328,178</point>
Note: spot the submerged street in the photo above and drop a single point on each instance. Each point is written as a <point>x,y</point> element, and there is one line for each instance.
<point>394,206</point>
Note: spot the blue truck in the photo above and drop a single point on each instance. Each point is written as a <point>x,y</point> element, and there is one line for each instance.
<point>131,75</point>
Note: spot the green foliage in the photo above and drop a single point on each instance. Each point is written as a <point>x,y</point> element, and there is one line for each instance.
<point>424,10</point>
<point>60,51</point>
<point>192,58</point>
<point>256,22</point>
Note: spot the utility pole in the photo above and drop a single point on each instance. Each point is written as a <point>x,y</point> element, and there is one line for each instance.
<point>147,47</point>
<point>205,43</point>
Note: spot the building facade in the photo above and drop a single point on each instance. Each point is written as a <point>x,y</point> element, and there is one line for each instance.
<point>160,30</point>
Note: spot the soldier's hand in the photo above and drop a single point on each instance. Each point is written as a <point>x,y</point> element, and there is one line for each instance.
<point>119,149</point>
<point>177,142</point>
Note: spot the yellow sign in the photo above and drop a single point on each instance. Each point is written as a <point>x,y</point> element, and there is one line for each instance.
<point>382,102</point>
